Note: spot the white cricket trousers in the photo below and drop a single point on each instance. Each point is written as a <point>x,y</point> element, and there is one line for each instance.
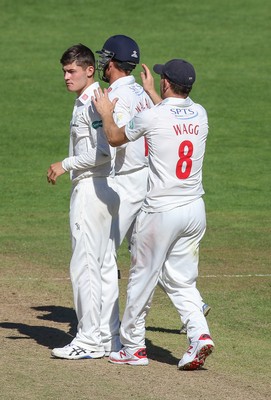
<point>93,204</point>
<point>165,243</point>
<point>131,189</point>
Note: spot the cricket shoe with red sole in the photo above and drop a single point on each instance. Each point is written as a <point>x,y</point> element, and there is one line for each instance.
<point>129,356</point>
<point>196,354</point>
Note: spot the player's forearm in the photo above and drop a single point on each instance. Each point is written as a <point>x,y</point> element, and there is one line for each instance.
<point>85,161</point>
<point>154,96</point>
<point>115,135</point>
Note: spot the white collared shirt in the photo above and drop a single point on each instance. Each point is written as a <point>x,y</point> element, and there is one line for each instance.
<point>176,131</point>
<point>132,99</point>
<point>89,151</point>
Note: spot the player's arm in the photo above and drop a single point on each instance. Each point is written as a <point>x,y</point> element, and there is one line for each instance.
<point>86,160</point>
<point>80,162</point>
<point>115,135</point>
<point>148,84</point>
<point>121,115</point>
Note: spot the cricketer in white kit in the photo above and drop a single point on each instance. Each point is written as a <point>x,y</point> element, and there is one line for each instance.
<point>120,55</point>
<point>172,221</point>
<point>93,204</point>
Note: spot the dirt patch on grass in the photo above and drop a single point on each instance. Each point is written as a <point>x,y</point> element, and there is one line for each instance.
<point>37,315</point>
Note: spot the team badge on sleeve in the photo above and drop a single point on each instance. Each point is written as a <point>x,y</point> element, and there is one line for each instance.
<point>131,124</point>
<point>97,124</point>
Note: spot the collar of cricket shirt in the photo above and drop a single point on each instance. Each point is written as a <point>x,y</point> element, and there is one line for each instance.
<point>88,93</point>
<point>125,80</point>
<point>177,101</point>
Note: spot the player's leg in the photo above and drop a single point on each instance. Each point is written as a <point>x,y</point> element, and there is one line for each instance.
<point>110,320</point>
<point>92,206</point>
<point>179,275</point>
<point>205,309</point>
<point>149,247</point>
<point>131,190</point>
<point>180,271</point>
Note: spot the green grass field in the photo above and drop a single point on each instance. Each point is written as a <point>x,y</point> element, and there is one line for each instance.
<point>229,45</point>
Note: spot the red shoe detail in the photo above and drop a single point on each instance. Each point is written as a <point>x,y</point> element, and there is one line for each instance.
<point>195,364</point>
<point>204,337</point>
<point>141,353</point>
<point>205,352</point>
<point>122,353</point>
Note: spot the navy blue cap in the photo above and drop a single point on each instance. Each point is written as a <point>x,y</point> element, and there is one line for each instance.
<point>177,71</point>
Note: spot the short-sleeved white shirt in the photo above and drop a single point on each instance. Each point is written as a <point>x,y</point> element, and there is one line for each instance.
<point>132,99</point>
<point>176,131</point>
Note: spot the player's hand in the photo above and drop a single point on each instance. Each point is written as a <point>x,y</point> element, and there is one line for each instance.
<point>148,84</point>
<point>54,172</point>
<point>147,79</point>
<point>102,103</point>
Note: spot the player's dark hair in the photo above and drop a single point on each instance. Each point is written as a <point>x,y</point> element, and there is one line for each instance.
<point>79,53</point>
<point>121,66</point>
<point>179,89</point>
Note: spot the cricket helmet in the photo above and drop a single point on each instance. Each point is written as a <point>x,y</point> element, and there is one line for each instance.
<point>119,48</point>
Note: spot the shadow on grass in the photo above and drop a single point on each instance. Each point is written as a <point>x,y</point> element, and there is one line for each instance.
<point>43,335</point>
<point>163,330</point>
<point>51,337</point>
<point>160,354</point>
<point>47,336</point>
<point>59,314</point>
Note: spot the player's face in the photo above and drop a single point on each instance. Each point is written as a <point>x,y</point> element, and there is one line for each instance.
<point>107,72</point>
<point>77,79</point>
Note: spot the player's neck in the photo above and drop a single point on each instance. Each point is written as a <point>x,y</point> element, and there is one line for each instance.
<point>117,74</point>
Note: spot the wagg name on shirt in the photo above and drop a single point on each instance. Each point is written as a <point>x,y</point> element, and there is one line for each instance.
<point>186,129</point>
<point>183,113</point>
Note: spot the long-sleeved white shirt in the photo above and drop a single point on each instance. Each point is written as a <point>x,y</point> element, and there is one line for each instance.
<point>89,151</point>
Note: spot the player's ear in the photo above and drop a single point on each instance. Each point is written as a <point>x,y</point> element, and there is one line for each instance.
<point>166,84</point>
<point>110,64</point>
<point>90,71</point>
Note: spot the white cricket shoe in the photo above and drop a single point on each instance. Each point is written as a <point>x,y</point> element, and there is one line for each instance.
<point>129,356</point>
<point>205,309</point>
<point>196,354</point>
<point>74,352</point>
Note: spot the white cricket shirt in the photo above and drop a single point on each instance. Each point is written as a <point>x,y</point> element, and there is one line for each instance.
<point>132,99</point>
<point>176,132</point>
<point>89,152</point>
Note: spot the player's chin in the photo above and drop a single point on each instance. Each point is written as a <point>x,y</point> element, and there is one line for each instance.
<point>70,87</point>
